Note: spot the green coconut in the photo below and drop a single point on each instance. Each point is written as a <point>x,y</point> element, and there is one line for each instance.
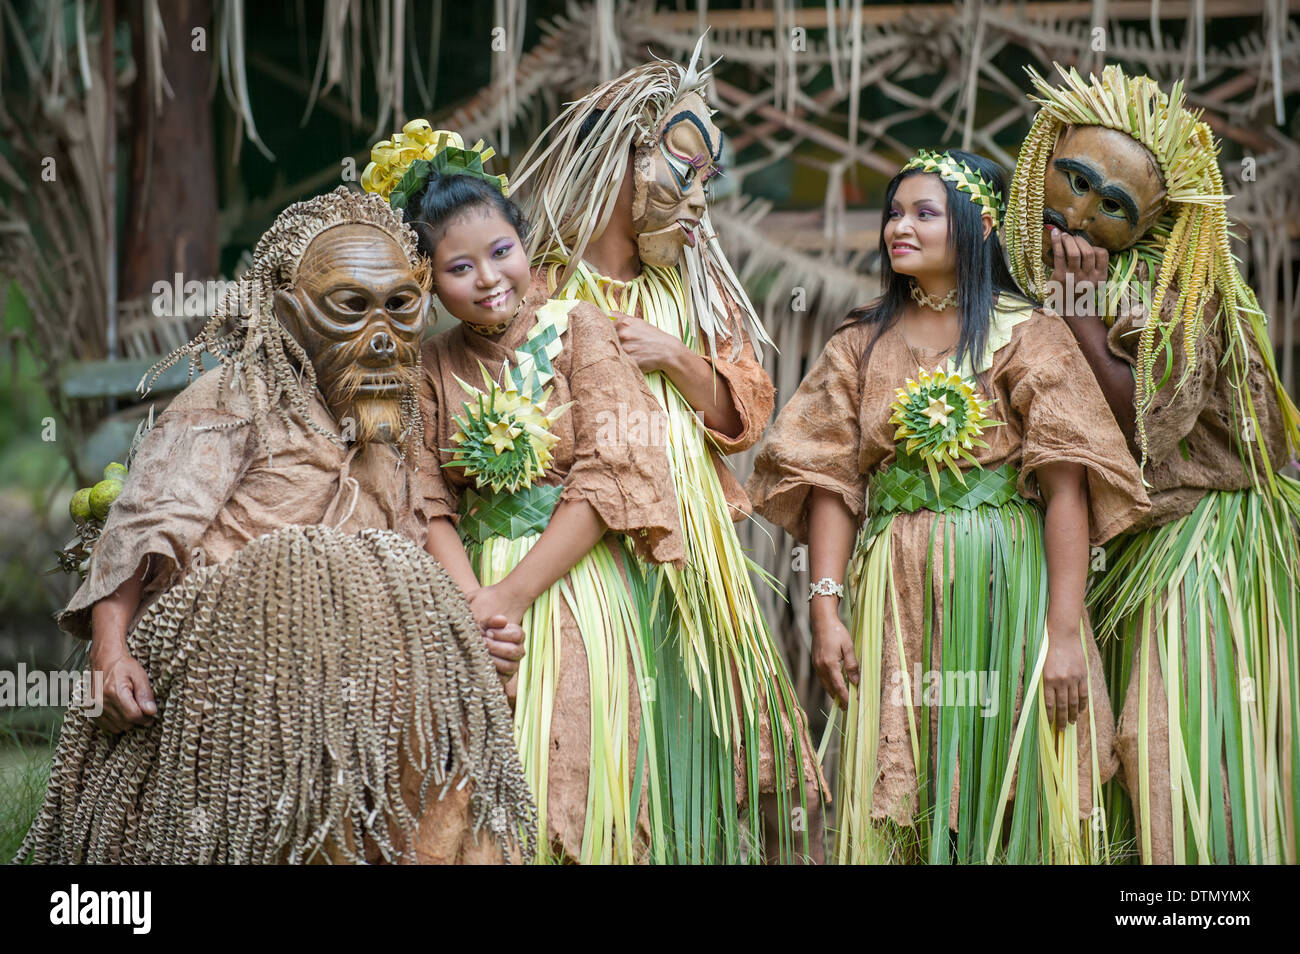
<point>79,506</point>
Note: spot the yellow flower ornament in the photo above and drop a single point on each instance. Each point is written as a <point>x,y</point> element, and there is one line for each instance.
<point>504,439</point>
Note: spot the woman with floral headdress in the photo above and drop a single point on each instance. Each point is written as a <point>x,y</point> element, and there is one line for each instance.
<point>547,489</point>
<point>946,426</point>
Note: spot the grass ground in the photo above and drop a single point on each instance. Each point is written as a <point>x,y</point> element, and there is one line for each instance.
<point>24,771</point>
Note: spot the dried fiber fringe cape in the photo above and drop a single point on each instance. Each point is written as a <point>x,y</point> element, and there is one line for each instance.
<point>242,457</point>
<point>583,715</point>
<point>958,593</point>
<point>1204,596</point>
<point>322,696</point>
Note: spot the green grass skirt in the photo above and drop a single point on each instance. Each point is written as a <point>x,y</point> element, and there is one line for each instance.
<point>992,621</point>
<point>1209,604</point>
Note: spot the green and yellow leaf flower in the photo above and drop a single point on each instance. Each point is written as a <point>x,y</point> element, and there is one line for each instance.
<point>504,439</point>
<point>941,416</point>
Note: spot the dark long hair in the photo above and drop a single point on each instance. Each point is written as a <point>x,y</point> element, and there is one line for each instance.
<point>982,271</point>
<point>443,198</point>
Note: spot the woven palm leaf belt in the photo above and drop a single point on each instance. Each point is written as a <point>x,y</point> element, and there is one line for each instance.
<point>906,487</point>
<point>510,515</point>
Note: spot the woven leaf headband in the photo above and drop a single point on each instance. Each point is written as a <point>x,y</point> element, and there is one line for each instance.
<point>400,166</point>
<point>963,177</point>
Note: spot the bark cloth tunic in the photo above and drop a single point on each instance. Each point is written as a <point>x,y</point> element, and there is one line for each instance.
<point>835,434</point>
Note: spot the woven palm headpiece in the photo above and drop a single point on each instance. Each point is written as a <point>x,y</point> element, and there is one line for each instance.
<point>400,166</point>
<point>945,166</point>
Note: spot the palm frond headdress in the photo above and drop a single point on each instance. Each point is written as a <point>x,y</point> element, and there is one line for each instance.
<point>577,167</point>
<point>1190,242</point>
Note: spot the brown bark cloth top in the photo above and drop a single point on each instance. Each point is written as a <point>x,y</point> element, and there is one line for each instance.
<point>1194,434</point>
<point>625,479</point>
<point>751,390</point>
<point>201,486</point>
<point>835,432</point>
<point>624,476</point>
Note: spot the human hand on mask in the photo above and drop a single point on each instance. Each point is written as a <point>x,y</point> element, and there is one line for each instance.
<point>650,348</point>
<point>1084,263</point>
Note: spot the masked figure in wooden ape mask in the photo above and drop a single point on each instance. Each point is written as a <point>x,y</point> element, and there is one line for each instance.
<point>671,173</point>
<point>264,567</point>
<point>358,311</point>
<point>1118,184</point>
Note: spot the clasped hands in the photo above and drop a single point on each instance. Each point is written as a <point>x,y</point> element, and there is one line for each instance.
<point>498,614</point>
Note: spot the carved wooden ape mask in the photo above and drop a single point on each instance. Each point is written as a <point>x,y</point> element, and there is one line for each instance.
<point>358,311</point>
<point>669,177</point>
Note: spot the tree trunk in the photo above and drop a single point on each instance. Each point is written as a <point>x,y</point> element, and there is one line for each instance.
<point>171,220</point>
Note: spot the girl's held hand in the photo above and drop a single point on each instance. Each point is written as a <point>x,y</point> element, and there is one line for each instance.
<point>498,616</point>
<point>505,644</point>
<point>1065,680</point>
<point>834,658</point>
<point>650,348</point>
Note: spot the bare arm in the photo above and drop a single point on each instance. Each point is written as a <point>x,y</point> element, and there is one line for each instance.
<point>707,392</point>
<point>831,528</point>
<point>704,390</point>
<point>443,543</point>
<point>574,529</point>
<point>128,698</point>
<point>1088,265</point>
<point>1065,490</point>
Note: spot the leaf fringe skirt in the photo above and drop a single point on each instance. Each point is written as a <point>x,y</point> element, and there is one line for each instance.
<point>614,746</point>
<point>964,767</point>
<point>1200,624</point>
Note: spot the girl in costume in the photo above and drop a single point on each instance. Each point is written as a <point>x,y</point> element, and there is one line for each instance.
<point>546,474</point>
<point>1198,609</point>
<point>619,193</point>
<point>946,425</point>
